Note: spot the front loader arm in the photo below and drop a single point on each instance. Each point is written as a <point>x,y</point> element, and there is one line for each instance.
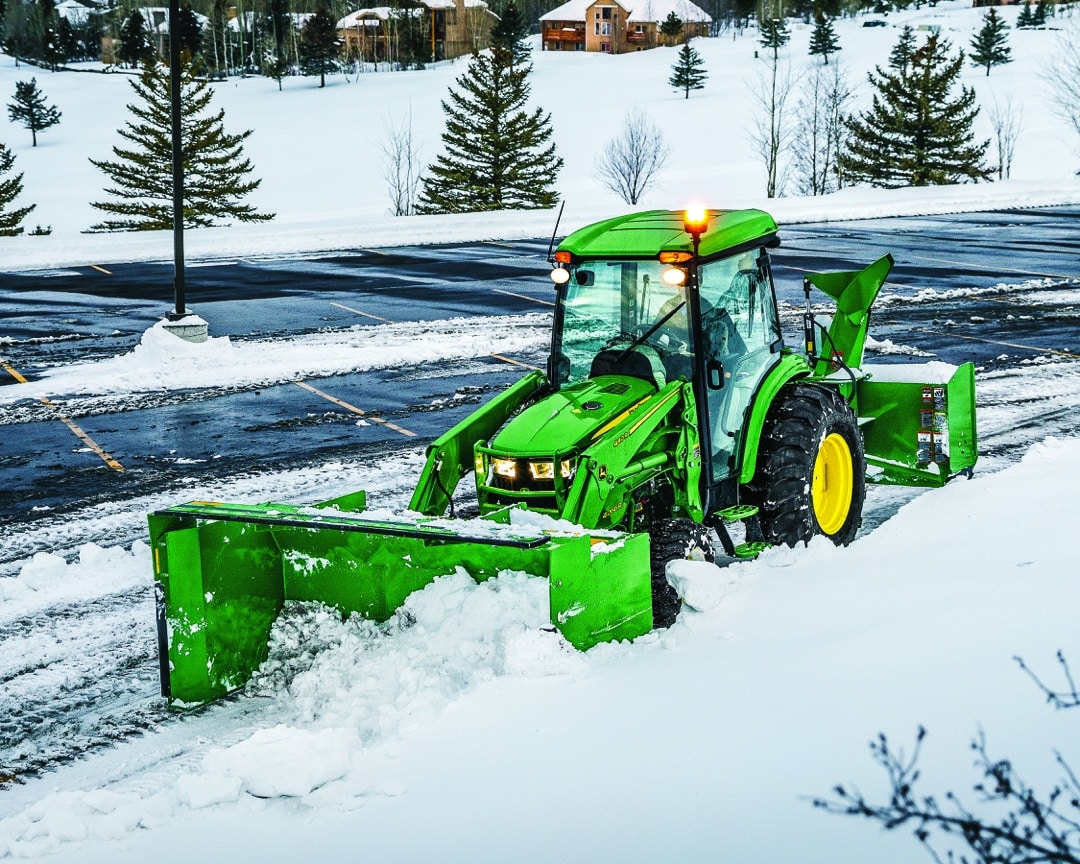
<point>612,467</point>
<point>450,456</point>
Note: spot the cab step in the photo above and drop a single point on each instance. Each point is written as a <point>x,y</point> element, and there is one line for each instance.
<point>738,513</point>
<point>749,551</point>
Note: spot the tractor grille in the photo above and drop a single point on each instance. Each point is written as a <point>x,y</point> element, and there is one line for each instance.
<point>531,482</point>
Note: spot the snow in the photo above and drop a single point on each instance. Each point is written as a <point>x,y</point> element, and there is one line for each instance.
<point>462,729</point>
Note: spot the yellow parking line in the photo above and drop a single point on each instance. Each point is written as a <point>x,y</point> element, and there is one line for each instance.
<point>354,409</point>
<point>522,296</point>
<point>516,362</point>
<point>67,421</point>
<point>358,312</point>
<point>13,373</point>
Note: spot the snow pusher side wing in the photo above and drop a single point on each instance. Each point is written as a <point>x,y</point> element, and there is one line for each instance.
<point>224,571</point>
<point>918,422</point>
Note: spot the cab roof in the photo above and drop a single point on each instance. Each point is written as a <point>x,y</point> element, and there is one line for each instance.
<point>646,235</point>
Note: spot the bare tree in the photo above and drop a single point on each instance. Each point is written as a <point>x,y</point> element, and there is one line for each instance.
<point>1010,823</point>
<point>401,165</point>
<point>819,134</point>
<point>632,159</point>
<point>1006,121</point>
<point>1063,76</point>
<point>772,130</point>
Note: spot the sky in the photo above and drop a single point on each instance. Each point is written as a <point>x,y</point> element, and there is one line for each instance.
<point>464,731</point>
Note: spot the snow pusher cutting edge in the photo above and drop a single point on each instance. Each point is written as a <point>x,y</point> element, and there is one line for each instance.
<point>671,417</point>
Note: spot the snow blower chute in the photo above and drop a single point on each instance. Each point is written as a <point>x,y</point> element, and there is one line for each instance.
<point>671,419</point>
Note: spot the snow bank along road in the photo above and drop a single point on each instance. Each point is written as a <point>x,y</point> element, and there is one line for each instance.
<point>414,339</point>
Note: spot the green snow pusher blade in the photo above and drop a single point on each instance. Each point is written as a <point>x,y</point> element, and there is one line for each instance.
<point>224,571</point>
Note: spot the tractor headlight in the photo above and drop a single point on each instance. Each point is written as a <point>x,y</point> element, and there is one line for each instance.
<point>674,276</point>
<point>505,468</point>
<point>542,470</point>
<point>546,470</point>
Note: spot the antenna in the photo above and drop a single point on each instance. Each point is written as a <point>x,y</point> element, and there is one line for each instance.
<point>558,219</point>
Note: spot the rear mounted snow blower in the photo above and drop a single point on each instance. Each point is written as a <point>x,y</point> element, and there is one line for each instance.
<point>671,417</point>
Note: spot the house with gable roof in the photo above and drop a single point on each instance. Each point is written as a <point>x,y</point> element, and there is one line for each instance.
<point>618,26</point>
<point>452,27</point>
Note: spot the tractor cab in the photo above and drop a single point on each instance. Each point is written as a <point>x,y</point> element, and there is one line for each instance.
<point>703,313</point>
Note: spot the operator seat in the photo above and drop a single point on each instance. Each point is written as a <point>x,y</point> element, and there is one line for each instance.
<point>641,362</point>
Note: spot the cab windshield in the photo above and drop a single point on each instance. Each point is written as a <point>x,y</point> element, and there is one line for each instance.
<point>609,305</point>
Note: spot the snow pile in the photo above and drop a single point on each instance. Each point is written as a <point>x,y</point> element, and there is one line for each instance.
<point>47,580</point>
<point>161,361</point>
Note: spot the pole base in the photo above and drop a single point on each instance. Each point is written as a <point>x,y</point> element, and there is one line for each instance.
<point>189,327</point>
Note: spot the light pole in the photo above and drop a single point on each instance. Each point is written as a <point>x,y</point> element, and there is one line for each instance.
<point>177,161</point>
<point>187,326</point>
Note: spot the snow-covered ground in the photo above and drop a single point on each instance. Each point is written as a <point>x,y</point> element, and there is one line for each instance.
<point>463,732</point>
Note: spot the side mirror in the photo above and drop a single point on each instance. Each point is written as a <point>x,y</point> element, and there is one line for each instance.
<point>714,375</point>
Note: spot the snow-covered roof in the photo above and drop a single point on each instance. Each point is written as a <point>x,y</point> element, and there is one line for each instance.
<point>642,10</point>
<point>73,11</point>
<point>383,12</point>
<point>362,16</point>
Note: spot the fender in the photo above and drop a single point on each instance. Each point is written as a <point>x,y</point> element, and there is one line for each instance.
<point>790,367</point>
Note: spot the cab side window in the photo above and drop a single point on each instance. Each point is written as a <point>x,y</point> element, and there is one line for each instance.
<point>740,327</point>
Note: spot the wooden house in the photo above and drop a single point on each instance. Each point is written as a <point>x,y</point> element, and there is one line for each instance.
<point>618,26</point>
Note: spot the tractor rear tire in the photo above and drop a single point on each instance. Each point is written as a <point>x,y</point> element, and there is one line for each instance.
<point>673,540</point>
<point>811,471</point>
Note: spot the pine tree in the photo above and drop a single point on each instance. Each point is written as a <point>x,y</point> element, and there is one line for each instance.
<point>774,33</point>
<point>988,46</point>
<point>135,46</point>
<point>497,155</point>
<point>823,39</point>
<point>30,110</point>
<point>915,134</point>
<point>215,169</point>
<point>319,43</point>
<point>1038,19</point>
<point>10,189</point>
<point>900,56</point>
<point>671,28</point>
<point>511,31</point>
<point>1026,19</point>
<point>688,73</point>
<point>278,23</point>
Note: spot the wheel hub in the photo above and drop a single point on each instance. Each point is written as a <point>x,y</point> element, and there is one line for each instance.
<point>833,483</point>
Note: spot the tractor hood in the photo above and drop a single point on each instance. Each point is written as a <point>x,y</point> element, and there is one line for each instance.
<point>571,417</point>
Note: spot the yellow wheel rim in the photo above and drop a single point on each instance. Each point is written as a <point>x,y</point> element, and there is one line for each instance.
<point>833,484</point>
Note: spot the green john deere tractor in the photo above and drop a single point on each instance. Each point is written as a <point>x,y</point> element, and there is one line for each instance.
<point>671,422</point>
